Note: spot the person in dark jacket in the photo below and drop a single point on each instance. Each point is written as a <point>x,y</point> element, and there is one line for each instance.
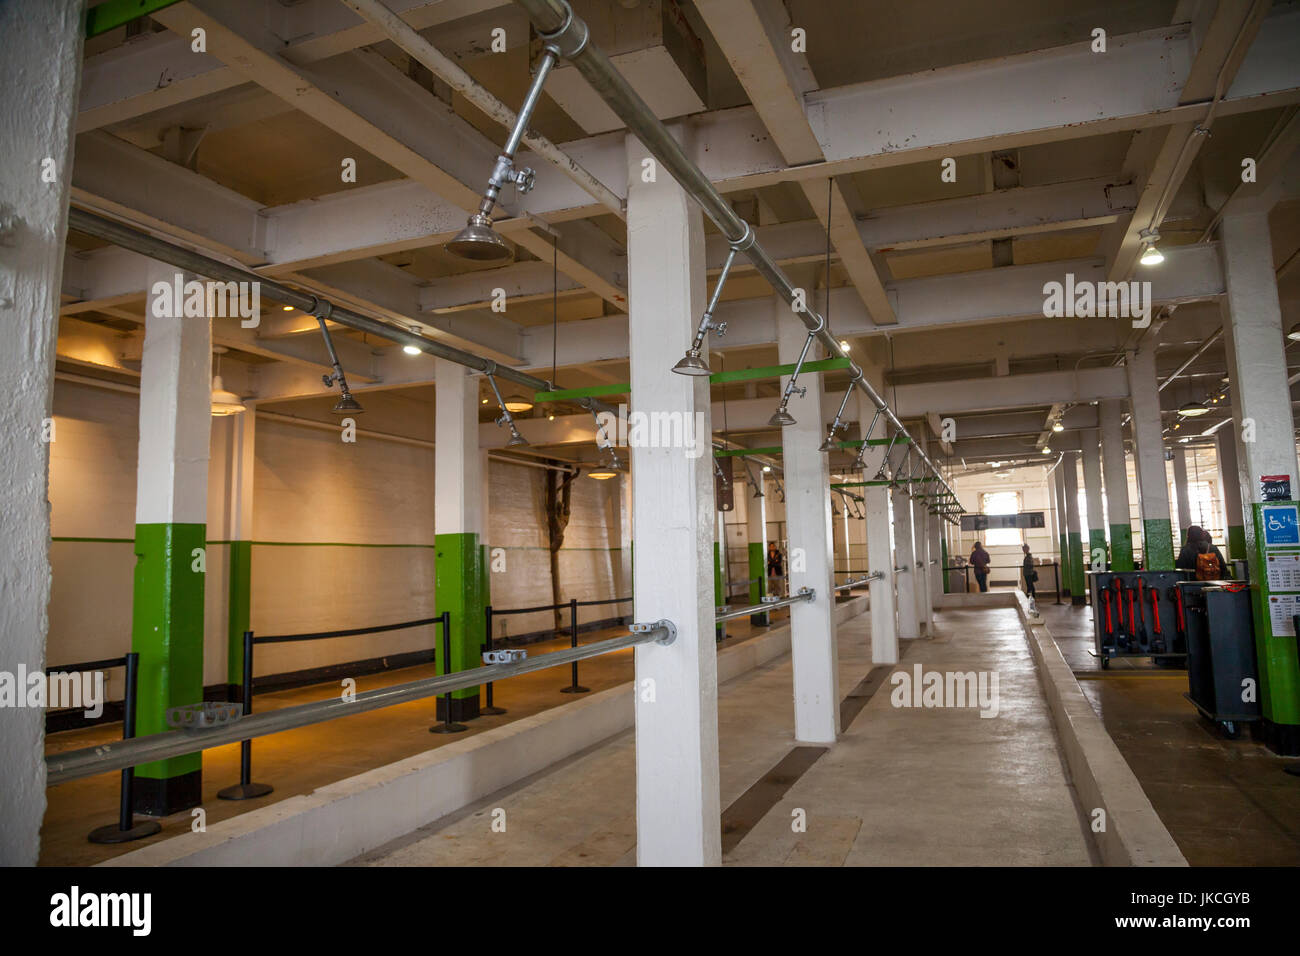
<point>979,559</point>
<point>1028,570</point>
<point>1198,542</point>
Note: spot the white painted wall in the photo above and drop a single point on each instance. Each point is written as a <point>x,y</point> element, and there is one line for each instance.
<point>321,507</point>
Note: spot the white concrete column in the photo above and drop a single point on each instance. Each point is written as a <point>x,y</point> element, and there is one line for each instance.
<point>1115,468</point>
<point>1180,491</point>
<point>1225,444</point>
<point>905,558</point>
<point>1254,335</point>
<point>1149,451</point>
<point>1090,440</point>
<point>39,72</point>
<point>1073,525</point>
<point>921,544</point>
<point>458,478</point>
<point>808,513</point>
<point>677,798</point>
<point>880,550</point>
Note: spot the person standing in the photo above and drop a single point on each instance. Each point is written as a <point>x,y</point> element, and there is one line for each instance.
<point>979,559</point>
<point>1029,571</point>
<point>775,568</point>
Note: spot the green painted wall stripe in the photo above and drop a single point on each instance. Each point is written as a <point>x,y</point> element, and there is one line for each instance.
<point>1121,547</point>
<point>1157,544</point>
<point>238,608</point>
<point>167,633</point>
<point>459,588</point>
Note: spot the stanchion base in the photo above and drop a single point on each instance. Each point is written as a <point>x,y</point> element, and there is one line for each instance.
<point>575,689</point>
<point>448,729</point>
<point>111,834</point>
<point>491,711</point>
<point>245,791</point>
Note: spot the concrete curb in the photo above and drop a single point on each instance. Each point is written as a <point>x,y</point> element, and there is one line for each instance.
<point>343,820</point>
<point>1134,834</point>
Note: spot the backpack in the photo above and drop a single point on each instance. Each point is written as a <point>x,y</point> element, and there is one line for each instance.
<point>1207,567</point>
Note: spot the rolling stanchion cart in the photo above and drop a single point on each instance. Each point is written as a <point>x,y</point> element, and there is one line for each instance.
<point>1138,614</point>
<point>1222,676</point>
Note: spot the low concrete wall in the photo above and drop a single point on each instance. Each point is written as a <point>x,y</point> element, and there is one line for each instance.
<point>343,820</point>
<point>1134,834</point>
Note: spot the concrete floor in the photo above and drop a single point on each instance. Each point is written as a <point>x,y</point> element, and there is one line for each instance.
<point>1225,802</point>
<point>902,786</point>
<point>338,749</point>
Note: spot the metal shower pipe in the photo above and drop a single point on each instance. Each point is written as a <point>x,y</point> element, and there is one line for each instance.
<point>130,238</point>
<point>567,32</point>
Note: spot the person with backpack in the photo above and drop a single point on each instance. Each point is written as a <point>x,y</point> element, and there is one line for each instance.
<point>979,559</point>
<point>1029,571</point>
<point>1200,555</point>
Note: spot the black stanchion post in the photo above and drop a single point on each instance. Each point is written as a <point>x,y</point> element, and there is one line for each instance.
<point>246,789</point>
<point>574,687</point>
<point>126,829</point>
<point>489,708</point>
<point>448,726</point>
<point>1056,573</point>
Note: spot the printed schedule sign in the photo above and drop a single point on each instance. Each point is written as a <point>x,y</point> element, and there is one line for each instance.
<point>1281,610</point>
<point>1283,571</point>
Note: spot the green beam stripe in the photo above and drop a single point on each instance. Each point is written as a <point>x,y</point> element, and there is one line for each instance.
<point>591,391</point>
<point>774,371</point>
<point>735,452</point>
<point>114,13</point>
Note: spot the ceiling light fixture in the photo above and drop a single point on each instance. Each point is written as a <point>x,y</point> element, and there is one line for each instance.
<point>224,402</point>
<point>1151,256</point>
<point>478,241</point>
<point>410,349</point>
<point>517,403</point>
<point>1193,410</point>
<point>1057,426</point>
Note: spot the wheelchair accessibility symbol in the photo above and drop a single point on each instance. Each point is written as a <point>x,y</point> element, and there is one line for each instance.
<point>1281,525</point>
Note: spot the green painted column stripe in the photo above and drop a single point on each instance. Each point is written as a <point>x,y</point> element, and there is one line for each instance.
<point>1236,542</point>
<point>167,633</point>
<point>459,588</point>
<point>1067,582</point>
<point>1279,678</point>
<point>239,608</point>
<point>1121,547</point>
<point>1075,543</point>
<point>1157,544</point>
<point>757,575</point>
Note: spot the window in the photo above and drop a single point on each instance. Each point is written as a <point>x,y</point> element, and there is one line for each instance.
<point>1002,503</point>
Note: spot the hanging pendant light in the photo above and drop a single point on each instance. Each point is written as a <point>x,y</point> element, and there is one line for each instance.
<point>1151,256</point>
<point>1193,409</point>
<point>224,402</point>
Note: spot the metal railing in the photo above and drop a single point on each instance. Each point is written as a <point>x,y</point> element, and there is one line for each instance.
<point>77,764</point>
<point>869,577</point>
<point>1055,566</point>
<point>803,594</point>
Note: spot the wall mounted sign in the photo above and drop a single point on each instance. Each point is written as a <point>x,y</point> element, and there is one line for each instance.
<point>1281,525</point>
<point>1275,487</point>
<point>1026,519</point>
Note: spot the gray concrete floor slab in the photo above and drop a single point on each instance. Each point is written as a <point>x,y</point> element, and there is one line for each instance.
<point>902,786</point>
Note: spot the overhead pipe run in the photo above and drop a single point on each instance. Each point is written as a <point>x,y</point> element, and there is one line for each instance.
<point>447,70</point>
<point>187,260</point>
<point>568,35</point>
